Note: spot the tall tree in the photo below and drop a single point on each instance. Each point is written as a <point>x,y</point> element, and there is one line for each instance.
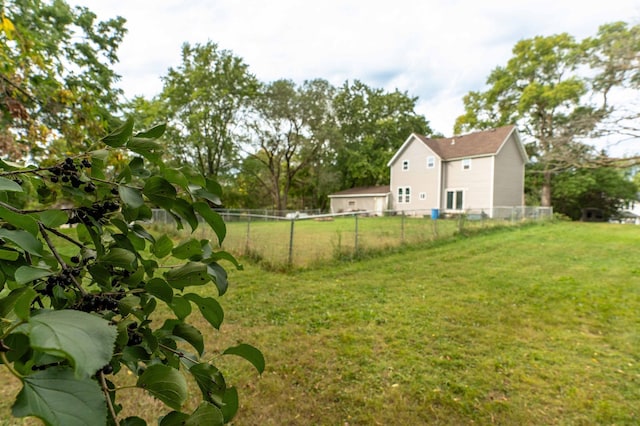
<point>56,80</point>
<point>373,124</point>
<point>290,126</point>
<point>614,55</point>
<point>540,91</point>
<point>204,99</point>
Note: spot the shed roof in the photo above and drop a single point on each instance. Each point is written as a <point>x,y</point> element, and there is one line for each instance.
<point>363,191</point>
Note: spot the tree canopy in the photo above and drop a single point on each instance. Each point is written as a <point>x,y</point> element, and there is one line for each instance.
<point>57,84</point>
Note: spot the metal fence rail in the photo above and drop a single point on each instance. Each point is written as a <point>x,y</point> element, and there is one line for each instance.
<point>301,239</point>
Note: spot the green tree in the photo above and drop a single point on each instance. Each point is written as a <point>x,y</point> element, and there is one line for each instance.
<point>80,286</point>
<point>607,189</point>
<point>56,80</point>
<point>289,127</point>
<point>204,99</point>
<point>540,91</point>
<point>614,55</point>
<point>373,124</point>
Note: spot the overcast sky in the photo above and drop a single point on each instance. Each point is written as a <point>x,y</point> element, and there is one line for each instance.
<point>435,50</point>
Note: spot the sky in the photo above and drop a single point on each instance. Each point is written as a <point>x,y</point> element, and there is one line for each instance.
<point>436,50</point>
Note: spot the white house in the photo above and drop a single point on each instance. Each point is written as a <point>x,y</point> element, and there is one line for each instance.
<point>478,172</point>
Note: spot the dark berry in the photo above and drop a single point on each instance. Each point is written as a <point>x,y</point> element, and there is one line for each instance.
<point>54,179</point>
<point>75,259</point>
<point>86,163</point>
<point>114,191</point>
<point>65,178</point>
<point>107,369</point>
<point>68,160</point>
<point>90,187</point>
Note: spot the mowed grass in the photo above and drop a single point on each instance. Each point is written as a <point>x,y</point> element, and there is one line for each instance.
<point>535,325</point>
<point>309,243</point>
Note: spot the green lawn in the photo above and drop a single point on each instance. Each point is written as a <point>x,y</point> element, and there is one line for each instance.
<point>533,325</point>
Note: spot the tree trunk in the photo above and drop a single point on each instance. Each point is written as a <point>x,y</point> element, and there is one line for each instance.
<point>545,197</point>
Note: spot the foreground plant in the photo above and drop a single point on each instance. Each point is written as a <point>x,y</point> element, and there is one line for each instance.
<point>81,277</point>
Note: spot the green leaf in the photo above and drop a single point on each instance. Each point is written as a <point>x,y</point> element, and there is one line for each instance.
<point>190,274</point>
<point>187,249</point>
<point>210,381</point>
<point>162,247</point>
<point>58,398</point>
<point>121,258</point>
<point>205,414</point>
<point>209,308</point>
<point>133,421</point>
<point>121,135</point>
<point>223,255</point>
<point>146,147</point>
<point>24,240</point>
<point>9,185</point>
<point>181,307</point>
<point>213,219</point>
<point>250,353</point>
<point>160,192</point>
<point>176,177</point>
<point>17,304</point>
<point>230,404</point>
<point>152,133</point>
<point>26,274</point>
<point>164,383</point>
<point>85,339</point>
<point>219,276</point>
<point>20,221</point>
<point>130,196</point>
<point>53,218</point>
<point>174,418</point>
<point>160,289</point>
<point>191,335</point>
<point>184,209</point>
<point>9,254</point>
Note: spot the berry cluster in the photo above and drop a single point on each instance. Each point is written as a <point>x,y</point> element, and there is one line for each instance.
<point>63,280</point>
<point>99,302</point>
<point>68,172</point>
<point>96,212</point>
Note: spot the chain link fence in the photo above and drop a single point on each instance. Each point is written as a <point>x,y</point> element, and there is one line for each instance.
<point>302,239</point>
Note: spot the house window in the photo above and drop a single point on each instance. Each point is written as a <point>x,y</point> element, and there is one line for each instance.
<point>423,195</point>
<point>431,162</point>
<point>404,195</point>
<point>352,204</point>
<point>405,165</point>
<point>466,164</point>
<point>454,200</point>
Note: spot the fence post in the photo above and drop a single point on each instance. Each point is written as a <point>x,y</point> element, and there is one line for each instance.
<point>291,242</point>
<point>246,247</point>
<point>356,240</point>
<point>402,228</point>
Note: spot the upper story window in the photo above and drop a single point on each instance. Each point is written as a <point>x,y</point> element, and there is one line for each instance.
<point>405,165</point>
<point>466,164</point>
<point>431,162</point>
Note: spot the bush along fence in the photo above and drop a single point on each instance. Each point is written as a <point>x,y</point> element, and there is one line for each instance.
<point>302,239</point>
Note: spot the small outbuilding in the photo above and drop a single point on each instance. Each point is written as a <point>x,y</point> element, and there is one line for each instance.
<point>373,199</point>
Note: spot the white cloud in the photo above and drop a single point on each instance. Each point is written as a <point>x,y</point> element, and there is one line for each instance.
<point>436,50</point>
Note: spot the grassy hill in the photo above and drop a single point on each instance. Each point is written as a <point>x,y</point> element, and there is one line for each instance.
<point>534,325</point>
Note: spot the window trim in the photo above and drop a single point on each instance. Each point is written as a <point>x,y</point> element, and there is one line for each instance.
<point>466,164</point>
<point>403,195</point>
<point>455,199</point>
<point>431,162</point>
<point>405,165</point>
<point>422,196</point>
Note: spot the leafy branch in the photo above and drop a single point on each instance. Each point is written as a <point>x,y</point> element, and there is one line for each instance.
<point>81,279</point>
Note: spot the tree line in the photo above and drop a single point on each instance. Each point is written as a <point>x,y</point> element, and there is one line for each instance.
<point>287,145</point>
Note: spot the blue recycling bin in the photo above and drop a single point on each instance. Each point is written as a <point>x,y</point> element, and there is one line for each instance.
<point>435,214</point>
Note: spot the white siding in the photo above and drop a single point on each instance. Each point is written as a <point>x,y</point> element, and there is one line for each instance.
<point>418,177</point>
<point>509,176</point>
